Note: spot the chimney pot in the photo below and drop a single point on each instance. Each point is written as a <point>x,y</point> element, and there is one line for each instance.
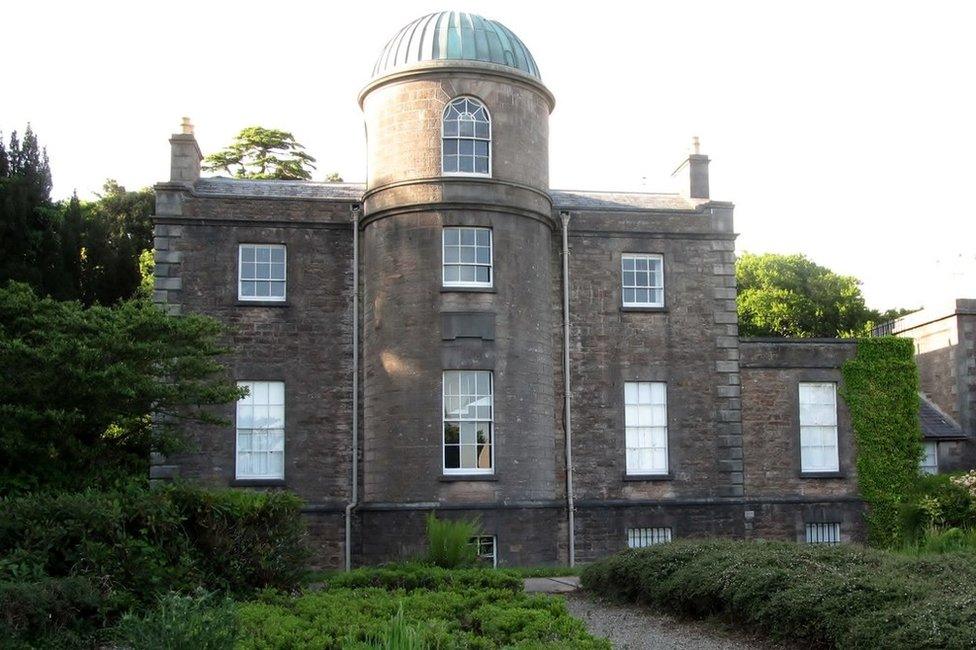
<point>185,156</point>
<point>186,127</point>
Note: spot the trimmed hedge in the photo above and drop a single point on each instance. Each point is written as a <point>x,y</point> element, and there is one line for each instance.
<point>844,596</point>
<point>441,618</point>
<point>421,576</point>
<point>129,546</point>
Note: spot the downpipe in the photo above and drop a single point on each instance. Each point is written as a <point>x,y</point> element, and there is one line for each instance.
<point>354,497</point>
<point>567,419</point>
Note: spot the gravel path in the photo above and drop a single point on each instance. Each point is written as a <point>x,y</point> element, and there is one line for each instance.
<point>633,627</point>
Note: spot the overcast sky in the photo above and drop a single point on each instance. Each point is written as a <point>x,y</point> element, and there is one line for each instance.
<point>842,130</point>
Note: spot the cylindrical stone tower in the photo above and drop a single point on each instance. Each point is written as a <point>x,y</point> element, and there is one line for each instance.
<point>457,338</point>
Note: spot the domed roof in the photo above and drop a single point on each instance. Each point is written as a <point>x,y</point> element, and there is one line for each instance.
<point>455,36</point>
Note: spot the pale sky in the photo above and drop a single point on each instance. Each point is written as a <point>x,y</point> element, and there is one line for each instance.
<point>841,130</point>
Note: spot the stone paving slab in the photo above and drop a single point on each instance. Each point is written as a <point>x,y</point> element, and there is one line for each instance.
<point>555,585</point>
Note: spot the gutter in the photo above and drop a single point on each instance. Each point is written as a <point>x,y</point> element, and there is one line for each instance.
<point>567,418</point>
<point>354,500</point>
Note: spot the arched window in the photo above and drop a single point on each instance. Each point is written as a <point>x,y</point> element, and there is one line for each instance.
<point>466,138</point>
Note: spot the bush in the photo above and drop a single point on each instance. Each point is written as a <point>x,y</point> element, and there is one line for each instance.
<point>449,542</point>
<point>202,621</point>
<point>420,576</point>
<point>54,611</point>
<point>844,596</point>
<point>131,545</point>
<point>442,618</point>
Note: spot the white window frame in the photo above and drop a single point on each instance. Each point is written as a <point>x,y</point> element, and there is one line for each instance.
<point>479,541</point>
<point>458,138</point>
<point>924,465</point>
<point>822,532</point>
<point>241,279</point>
<point>490,422</point>
<point>642,421</point>
<point>651,258</point>
<point>249,401</point>
<point>491,257</point>
<point>644,537</point>
<point>823,423</point>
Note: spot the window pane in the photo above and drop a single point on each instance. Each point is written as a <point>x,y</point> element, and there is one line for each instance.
<point>466,128</point>
<point>450,163</point>
<point>450,147</point>
<point>465,164</point>
<point>247,288</point>
<point>450,128</point>
<point>483,274</point>
<point>452,457</point>
<point>466,147</point>
<point>481,130</point>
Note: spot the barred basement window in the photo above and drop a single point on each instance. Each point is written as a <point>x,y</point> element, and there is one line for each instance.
<point>466,138</point>
<point>646,420</point>
<point>818,427</point>
<point>261,272</point>
<point>643,280</point>
<point>261,430</point>
<point>930,459</point>
<point>823,533</point>
<point>485,548</point>
<point>641,537</point>
<point>468,416</point>
<point>467,257</point>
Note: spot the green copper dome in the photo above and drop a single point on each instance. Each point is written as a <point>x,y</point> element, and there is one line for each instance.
<point>455,36</point>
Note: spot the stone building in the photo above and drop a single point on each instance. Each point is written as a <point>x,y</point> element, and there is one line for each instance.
<point>945,351</point>
<point>564,366</point>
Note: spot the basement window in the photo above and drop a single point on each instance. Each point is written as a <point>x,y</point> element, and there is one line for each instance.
<point>823,533</point>
<point>641,537</point>
<point>485,548</point>
<point>261,272</point>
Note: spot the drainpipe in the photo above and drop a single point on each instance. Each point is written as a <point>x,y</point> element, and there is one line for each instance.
<point>354,500</point>
<point>567,419</point>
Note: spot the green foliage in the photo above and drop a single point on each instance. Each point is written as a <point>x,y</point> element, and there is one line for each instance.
<point>421,576</point>
<point>51,612</point>
<point>790,295</point>
<point>449,542</point>
<point>258,152</point>
<point>936,501</point>
<point>71,250</point>
<point>131,545</point>
<point>934,541</point>
<point>881,390</point>
<point>843,596</point>
<point>442,618</point>
<point>202,621</point>
<point>116,230</point>
<point>79,386</point>
<point>334,177</point>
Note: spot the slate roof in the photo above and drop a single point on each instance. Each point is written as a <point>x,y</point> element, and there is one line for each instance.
<point>562,199</point>
<point>935,424</point>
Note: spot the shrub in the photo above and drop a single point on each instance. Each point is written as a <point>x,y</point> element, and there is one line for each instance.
<point>52,611</point>
<point>449,542</point>
<point>442,618</point>
<point>133,544</point>
<point>201,621</point>
<point>844,596</point>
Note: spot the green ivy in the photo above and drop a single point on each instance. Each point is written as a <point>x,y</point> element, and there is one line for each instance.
<point>881,391</point>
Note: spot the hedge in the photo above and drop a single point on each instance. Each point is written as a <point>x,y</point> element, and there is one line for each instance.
<point>844,596</point>
<point>458,617</point>
<point>129,546</point>
<point>421,576</point>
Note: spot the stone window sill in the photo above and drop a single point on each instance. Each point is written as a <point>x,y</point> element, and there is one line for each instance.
<point>468,290</point>
<point>652,310</point>
<point>263,303</point>
<point>455,478</point>
<point>822,475</point>
<point>258,482</point>
<point>648,477</point>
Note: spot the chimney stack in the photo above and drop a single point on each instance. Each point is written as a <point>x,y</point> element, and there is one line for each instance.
<point>692,173</point>
<point>185,156</point>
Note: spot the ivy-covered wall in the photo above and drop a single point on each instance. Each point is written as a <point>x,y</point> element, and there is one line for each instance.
<point>881,391</point>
